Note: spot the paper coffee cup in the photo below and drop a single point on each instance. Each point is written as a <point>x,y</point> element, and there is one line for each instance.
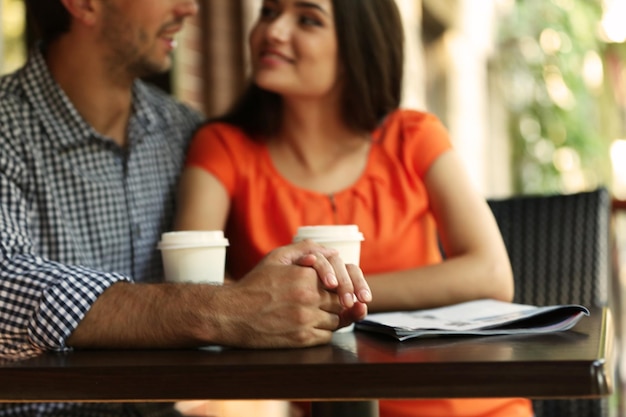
<point>346,239</point>
<point>194,256</point>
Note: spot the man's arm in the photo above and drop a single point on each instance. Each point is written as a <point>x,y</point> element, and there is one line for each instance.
<point>278,304</point>
<point>41,301</point>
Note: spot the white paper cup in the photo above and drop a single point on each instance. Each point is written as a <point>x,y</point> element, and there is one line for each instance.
<point>194,256</point>
<point>346,239</point>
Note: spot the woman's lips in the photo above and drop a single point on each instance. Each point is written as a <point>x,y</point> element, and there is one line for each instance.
<point>273,56</point>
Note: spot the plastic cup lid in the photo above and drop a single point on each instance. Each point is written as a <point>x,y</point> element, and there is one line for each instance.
<point>329,233</point>
<point>192,239</point>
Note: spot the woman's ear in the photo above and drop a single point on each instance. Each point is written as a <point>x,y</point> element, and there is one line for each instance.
<point>84,11</point>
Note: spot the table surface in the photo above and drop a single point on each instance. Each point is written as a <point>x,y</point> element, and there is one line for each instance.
<point>355,366</point>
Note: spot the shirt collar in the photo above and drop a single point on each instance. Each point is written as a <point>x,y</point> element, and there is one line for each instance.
<point>61,119</point>
<point>145,113</point>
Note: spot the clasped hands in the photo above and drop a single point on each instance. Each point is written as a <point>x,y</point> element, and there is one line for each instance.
<point>297,296</point>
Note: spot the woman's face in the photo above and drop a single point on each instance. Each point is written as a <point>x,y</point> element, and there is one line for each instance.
<point>294,48</point>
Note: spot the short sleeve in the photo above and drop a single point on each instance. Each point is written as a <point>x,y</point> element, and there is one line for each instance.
<point>418,138</point>
<point>214,149</point>
<point>433,140</point>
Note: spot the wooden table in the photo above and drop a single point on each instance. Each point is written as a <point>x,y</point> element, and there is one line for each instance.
<point>357,368</point>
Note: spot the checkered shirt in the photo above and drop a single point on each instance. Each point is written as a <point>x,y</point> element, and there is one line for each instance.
<point>77,212</point>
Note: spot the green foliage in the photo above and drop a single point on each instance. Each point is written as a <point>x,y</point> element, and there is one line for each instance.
<point>561,123</point>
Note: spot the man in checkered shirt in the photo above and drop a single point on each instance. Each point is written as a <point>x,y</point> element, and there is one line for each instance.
<point>89,160</point>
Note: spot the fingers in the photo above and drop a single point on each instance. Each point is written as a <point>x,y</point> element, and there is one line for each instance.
<point>351,284</point>
<point>360,285</point>
<point>329,322</point>
<point>352,315</point>
<point>301,311</point>
<point>290,254</point>
<point>345,289</point>
<point>329,302</point>
<point>347,279</point>
<point>325,270</point>
<point>345,316</point>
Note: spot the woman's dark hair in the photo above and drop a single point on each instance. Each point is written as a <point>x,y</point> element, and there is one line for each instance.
<point>49,17</point>
<point>371,52</point>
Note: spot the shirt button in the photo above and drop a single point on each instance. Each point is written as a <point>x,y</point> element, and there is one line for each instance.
<point>137,231</point>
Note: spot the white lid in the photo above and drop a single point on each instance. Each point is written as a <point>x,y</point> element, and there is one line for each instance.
<point>192,239</point>
<point>329,233</point>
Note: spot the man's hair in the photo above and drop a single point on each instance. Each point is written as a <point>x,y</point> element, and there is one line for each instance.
<point>50,18</point>
<point>371,52</point>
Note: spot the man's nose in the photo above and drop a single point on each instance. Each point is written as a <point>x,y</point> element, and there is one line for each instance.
<point>187,8</point>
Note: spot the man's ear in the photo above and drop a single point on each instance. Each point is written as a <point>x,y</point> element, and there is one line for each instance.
<point>84,11</point>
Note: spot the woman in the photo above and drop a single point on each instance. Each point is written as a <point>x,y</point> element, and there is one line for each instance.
<point>318,138</point>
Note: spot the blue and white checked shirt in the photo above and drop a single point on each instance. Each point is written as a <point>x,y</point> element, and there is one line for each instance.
<point>77,212</point>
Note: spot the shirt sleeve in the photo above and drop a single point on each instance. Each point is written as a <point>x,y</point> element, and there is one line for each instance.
<point>215,149</point>
<point>41,301</point>
<point>425,139</point>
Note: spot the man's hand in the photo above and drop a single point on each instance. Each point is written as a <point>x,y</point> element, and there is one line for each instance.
<point>346,279</point>
<point>284,304</point>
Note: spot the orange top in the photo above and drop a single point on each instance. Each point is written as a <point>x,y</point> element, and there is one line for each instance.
<point>388,202</point>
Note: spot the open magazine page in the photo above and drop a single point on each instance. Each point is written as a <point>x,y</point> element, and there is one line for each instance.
<point>479,317</point>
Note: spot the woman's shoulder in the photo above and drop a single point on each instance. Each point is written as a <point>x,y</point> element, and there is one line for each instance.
<point>410,125</point>
<point>411,118</point>
<point>227,134</point>
<point>221,129</point>
<point>219,141</point>
<point>416,138</point>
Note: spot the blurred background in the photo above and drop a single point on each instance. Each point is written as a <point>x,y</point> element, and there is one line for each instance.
<point>532,91</point>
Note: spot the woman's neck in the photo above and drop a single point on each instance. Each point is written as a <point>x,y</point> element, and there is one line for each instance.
<point>316,150</point>
<point>314,131</point>
<point>314,122</point>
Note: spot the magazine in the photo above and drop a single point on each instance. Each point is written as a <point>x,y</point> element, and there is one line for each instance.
<point>479,318</point>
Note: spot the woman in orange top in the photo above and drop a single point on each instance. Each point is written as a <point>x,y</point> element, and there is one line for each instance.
<point>318,138</point>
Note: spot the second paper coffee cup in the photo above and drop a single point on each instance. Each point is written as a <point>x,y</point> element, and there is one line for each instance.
<point>346,239</point>
<point>194,256</point>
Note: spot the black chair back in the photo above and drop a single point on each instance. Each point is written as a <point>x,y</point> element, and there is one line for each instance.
<point>559,247</point>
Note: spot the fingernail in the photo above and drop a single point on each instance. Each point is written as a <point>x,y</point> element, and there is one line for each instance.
<point>366,295</point>
<point>348,300</point>
<point>332,279</point>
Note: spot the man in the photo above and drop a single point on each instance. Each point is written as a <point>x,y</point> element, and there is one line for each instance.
<point>89,161</point>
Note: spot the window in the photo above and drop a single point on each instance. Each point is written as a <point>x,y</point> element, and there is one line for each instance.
<point>12,35</point>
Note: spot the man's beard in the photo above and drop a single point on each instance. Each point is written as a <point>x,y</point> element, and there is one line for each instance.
<point>126,56</point>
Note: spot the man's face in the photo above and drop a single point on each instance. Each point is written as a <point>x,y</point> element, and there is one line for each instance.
<point>138,35</point>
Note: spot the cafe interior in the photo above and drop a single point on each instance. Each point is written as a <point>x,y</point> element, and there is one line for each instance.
<point>533,93</point>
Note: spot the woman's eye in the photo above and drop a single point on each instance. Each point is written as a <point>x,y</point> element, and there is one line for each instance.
<point>267,12</point>
<point>310,21</point>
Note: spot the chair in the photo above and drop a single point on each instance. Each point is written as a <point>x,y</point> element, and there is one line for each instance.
<point>560,252</point>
